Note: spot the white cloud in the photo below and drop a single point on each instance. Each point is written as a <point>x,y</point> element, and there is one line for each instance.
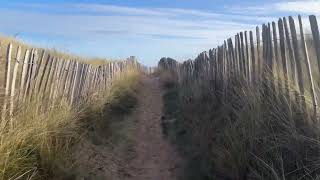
<point>130,22</point>
<point>279,8</point>
<point>305,7</point>
<point>118,9</point>
<point>148,32</point>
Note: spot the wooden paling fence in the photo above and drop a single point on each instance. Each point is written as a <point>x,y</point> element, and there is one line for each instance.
<point>283,56</point>
<point>37,76</point>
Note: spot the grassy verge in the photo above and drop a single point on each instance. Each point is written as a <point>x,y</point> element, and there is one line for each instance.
<point>176,129</point>
<point>256,134</point>
<point>106,145</point>
<point>37,145</point>
<point>40,145</point>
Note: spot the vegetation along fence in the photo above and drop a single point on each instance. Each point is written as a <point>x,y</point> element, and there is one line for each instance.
<point>282,56</point>
<point>43,77</point>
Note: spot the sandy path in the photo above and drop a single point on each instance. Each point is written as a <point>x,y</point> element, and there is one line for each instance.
<point>155,158</point>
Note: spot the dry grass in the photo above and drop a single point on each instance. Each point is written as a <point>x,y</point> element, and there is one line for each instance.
<point>255,134</point>
<point>39,145</point>
<point>109,126</point>
<point>125,83</point>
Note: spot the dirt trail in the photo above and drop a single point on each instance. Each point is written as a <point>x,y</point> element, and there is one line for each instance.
<point>155,158</point>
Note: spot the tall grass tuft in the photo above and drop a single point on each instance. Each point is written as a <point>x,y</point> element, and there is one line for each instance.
<point>256,133</point>
<point>39,144</point>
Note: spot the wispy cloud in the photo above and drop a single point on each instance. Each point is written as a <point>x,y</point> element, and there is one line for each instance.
<point>119,31</point>
<point>102,20</point>
<point>175,37</point>
<point>305,6</point>
<point>279,8</point>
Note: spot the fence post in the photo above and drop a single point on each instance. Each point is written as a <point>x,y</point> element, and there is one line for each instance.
<point>284,57</point>
<point>47,86</point>
<point>46,75</point>
<point>236,55</point>
<point>23,75</point>
<point>44,70</point>
<point>6,85</point>
<point>75,83</point>
<point>36,77</point>
<point>298,60</point>
<point>307,63</point>
<point>248,58</point>
<point>270,58</point>
<point>33,74</point>
<point>242,52</point>
<point>291,56</point>
<point>259,61</point>
<point>316,37</point>
<point>253,58</point>
<point>276,56</point>
<point>13,85</point>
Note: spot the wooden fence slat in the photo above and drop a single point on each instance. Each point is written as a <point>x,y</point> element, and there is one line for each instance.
<point>63,78</point>
<point>59,80</point>
<point>225,79</point>
<point>270,57</point>
<point>87,80</point>
<point>70,80</point>
<point>242,54</point>
<point>55,80</point>
<point>7,84</point>
<point>23,75</point>
<point>75,83</point>
<point>66,78</point>
<point>316,37</point>
<point>37,76</point>
<point>232,56</point>
<point>259,61</point>
<point>276,56</point>
<point>236,55</point>
<point>253,58</point>
<point>13,84</point>
<point>264,53</point>
<point>240,57</point>
<point>44,77</point>
<point>28,74</point>
<point>291,59</point>
<point>308,66</point>
<point>297,57</point>
<point>248,58</point>
<point>44,70</point>
<point>83,79</point>
<point>284,56</point>
<point>47,84</point>
<point>33,75</point>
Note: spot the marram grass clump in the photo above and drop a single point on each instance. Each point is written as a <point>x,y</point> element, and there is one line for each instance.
<point>255,133</point>
<point>39,144</point>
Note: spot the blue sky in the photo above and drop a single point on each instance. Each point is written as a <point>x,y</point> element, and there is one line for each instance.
<point>148,29</point>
